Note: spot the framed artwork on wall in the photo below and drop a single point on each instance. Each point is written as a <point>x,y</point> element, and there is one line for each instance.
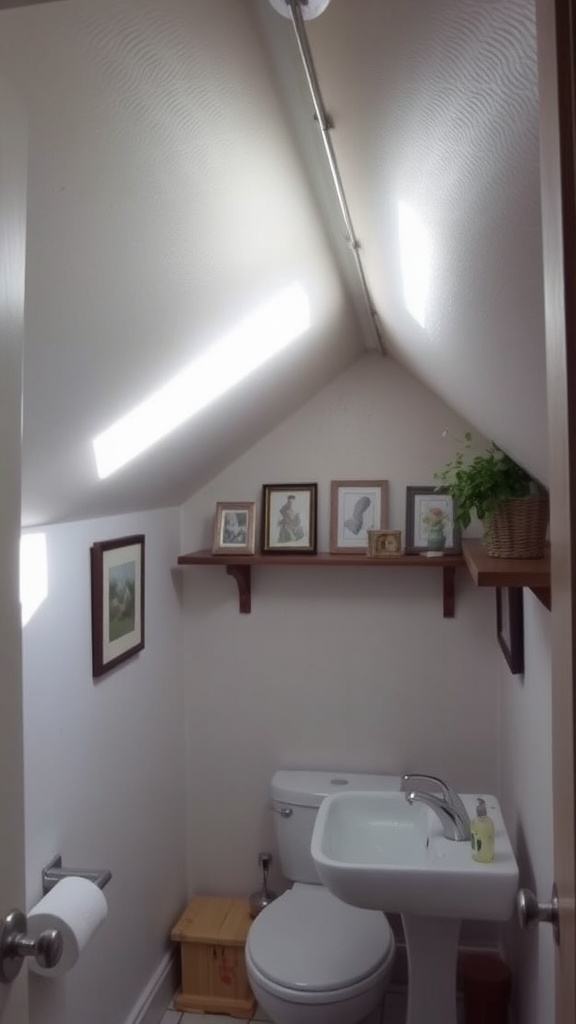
<point>289,514</point>
<point>510,627</point>
<point>117,583</point>
<point>356,506</point>
<point>384,543</point>
<point>430,526</point>
<point>234,528</point>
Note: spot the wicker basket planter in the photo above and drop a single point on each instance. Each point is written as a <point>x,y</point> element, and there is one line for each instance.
<point>518,528</point>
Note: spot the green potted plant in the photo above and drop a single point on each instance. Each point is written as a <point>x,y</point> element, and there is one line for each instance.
<point>511,505</point>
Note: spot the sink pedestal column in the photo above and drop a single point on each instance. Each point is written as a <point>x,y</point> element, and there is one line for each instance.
<point>432,947</point>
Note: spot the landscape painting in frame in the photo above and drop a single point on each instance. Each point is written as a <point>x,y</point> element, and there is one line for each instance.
<point>117,570</point>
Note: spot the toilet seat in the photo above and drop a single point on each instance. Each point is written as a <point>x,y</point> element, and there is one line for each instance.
<point>308,941</point>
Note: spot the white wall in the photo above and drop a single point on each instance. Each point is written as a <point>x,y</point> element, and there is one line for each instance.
<point>334,667</point>
<point>526,766</point>
<point>104,769</point>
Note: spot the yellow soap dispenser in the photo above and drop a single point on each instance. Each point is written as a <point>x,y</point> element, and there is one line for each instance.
<point>482,834</point>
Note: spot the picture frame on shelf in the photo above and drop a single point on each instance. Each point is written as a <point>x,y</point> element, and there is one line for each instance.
<point>510,627</point>
<point>356,506</point>
<point>430,522</point>
<point>117,593</point>
<point>234,530</point>
<point>289,518</point>
<point>384,543</point>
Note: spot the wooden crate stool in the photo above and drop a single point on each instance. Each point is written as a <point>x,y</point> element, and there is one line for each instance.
<point>212,934</point>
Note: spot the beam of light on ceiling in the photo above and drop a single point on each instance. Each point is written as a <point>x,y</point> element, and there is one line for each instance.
<point>254,341</point>
<point>33,574</point>
<point>415,262</point>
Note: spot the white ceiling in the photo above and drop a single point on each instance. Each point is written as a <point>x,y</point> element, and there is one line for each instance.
<point>177,181</point>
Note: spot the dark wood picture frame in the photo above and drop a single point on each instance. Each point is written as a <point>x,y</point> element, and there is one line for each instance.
<point>289,519</point>
<point>418,500</point>
<point>117,582</point>
<point>510,626</point>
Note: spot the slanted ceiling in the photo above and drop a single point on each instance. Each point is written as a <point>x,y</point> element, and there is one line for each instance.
<point>177,181</point>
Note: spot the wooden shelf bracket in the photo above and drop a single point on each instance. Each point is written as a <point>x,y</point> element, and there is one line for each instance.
<point>242,575</point>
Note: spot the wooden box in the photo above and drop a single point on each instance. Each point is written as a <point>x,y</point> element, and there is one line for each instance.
<point>212,934</point>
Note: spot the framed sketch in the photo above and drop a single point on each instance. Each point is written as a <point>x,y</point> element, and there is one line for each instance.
<point>117,578</point>
<point>289,513</point>
<point>356,506</point>
<point>430,526</point>
<point>384,543</point>
<point>234,528</point>
<point>510,626</point>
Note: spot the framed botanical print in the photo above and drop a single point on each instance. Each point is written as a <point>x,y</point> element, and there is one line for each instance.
<point>430,525</point>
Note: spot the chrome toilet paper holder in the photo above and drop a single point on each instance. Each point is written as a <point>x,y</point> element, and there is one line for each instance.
<point>54,873</point>
<point>15,943</point>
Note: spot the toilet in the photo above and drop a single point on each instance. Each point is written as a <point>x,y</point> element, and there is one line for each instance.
<point>310,958</point>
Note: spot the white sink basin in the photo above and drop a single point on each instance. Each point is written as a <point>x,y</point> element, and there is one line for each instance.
<point>378,851</point>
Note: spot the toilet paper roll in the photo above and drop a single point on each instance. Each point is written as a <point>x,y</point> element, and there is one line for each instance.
<point>77,908</point>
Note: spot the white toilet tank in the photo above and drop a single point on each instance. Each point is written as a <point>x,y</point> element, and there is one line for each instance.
<point>296,797</point>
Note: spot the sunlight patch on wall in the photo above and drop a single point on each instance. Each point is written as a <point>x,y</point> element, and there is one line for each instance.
<point>33,574</point>
<point>415,262</point>
<point>254,341</point>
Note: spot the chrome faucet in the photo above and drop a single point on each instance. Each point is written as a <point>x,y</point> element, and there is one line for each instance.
<point>448,806</point>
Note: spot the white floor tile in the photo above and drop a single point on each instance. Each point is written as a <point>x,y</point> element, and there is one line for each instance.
<point>171,1017</point>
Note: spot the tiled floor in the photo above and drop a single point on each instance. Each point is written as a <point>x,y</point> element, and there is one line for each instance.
<point>394,1013</point>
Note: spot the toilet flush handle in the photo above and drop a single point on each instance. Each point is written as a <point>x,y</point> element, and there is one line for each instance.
<point>284,812</point>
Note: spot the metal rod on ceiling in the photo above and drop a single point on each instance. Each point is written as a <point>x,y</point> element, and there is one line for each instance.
<point>325,126</point>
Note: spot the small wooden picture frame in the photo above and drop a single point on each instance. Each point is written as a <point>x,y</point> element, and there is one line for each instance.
<point>510,626</point>
<point>234,528</point>
<point>384,543</point>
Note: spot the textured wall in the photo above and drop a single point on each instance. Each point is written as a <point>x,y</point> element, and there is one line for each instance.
<point>103,767</point>
<point>335,667</point>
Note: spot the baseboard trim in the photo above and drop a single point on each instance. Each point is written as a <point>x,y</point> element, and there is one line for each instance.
<point>158,994</point>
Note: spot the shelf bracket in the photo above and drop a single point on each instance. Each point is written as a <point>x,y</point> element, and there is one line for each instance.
<point>544,596</point>
<point>242,575</point>
<point>448,586</point>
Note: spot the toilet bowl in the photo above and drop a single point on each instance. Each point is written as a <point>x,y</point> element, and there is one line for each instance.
<point>312,959</point>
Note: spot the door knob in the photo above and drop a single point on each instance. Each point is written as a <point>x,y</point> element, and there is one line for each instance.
<point>531,912</point>
<point>15,945</point>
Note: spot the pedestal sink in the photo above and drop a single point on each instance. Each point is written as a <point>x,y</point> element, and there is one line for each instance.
<point>376,850</point>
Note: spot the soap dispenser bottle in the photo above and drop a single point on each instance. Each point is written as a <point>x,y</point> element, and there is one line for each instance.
<point>482,834</point>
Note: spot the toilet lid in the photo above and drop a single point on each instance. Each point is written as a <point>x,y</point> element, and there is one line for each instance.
<point>309,940</point>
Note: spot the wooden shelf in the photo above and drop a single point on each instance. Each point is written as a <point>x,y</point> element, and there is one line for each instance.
<point>240,567</point>
<point>533,573</point>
